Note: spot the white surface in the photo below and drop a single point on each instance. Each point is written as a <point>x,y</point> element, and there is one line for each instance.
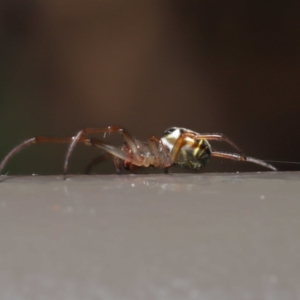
<point>206,236</point>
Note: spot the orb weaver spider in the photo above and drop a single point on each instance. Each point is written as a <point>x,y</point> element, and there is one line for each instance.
<point>178,146</point>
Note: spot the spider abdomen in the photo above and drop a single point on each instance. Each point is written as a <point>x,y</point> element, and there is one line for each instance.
<point>194,155</point>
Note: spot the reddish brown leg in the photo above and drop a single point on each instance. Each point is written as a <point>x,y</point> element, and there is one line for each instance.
<point>222,138</point>
<point>97,160</point>
<point>35,140</point>
<point>90,142</point>
<point>237,157</point>
<point>182,140</point>
<point>111,129</point>
<point>117,164</point>
<point>118,153</point>
<point>115,151</point>
<point>155,144</point>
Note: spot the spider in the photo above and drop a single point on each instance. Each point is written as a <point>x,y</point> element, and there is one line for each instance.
<point>178,146</point>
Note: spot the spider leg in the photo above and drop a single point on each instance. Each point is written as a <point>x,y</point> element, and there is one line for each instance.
<point>110,129</point>
<point>97,160</point>
<point>155,144</point>
<point>115,151</point>
<point>119,154</point>
<point>183,140</point>
<point>34,140</point>
<point>180,142</point>
<point>118,164</point>
<point>223,138</point>
<point>90,142</point>
<point>238,157</point>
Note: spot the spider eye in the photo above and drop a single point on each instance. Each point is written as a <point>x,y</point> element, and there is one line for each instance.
<point>170,130</point>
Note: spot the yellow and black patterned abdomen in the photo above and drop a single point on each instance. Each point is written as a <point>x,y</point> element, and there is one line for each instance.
<point>194,155</point>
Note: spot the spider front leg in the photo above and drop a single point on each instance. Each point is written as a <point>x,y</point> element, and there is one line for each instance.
<point>40,140</point>
<point>110,129</point>
<point>35,140</point>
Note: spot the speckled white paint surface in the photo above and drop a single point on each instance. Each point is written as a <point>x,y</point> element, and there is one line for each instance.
<point>206,236</point>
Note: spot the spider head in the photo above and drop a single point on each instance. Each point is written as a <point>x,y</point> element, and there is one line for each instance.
<point>193,152</point>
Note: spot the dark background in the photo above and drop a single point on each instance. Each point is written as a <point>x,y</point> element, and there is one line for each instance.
<point>211,66</point>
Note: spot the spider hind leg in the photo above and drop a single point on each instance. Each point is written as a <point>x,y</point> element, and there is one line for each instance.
<point>238,157</point>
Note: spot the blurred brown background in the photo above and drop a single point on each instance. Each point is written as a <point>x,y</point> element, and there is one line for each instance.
<point>211,66</point>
